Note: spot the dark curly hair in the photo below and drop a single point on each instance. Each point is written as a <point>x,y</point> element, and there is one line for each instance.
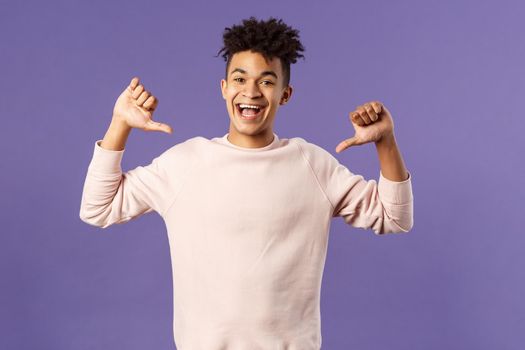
<point>271,38</point>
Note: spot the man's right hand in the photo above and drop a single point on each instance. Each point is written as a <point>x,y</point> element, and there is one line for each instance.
<point>135,107</point>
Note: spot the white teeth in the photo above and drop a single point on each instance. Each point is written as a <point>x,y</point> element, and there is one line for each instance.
<point>249,106</point>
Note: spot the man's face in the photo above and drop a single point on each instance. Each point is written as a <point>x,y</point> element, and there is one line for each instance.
<point>253,81</point>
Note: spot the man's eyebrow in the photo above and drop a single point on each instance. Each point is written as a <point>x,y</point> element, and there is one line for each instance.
<point>266,72</point>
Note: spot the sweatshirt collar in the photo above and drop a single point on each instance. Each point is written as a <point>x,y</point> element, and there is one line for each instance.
<point>224,140</point>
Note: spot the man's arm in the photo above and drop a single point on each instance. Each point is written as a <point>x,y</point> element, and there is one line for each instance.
<point>110,196</point>
<point>392,165</point>
<point>385,206</point>
<point>116,136</point>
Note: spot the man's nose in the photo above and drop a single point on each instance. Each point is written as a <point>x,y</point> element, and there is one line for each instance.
<point>251,90</point>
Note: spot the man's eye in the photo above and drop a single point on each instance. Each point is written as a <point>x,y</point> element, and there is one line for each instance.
<point>267,82</point>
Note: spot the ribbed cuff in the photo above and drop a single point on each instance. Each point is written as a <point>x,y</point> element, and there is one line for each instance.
<point>105,160</point>
<point>395,192</point>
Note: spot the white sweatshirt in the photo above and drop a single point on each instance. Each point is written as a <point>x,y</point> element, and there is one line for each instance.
<point>248,232</point>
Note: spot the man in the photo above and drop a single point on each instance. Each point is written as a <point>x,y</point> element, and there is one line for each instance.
<point>248,214</point>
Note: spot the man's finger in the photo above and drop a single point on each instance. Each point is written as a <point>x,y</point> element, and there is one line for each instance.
<point>134,83</point>
<point>345,144</point>
<point>143,97</point>
<point>357,119</point>
<point>364,115</point>
<point>149,103</point>
<point>156,126</point>
<point>377,107</point>
<point>371,113</point>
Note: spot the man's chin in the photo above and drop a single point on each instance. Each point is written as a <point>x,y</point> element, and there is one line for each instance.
<point>247,130</point>
<point>248,124</point>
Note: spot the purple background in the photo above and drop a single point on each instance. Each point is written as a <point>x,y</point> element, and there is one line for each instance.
<point>451,73</point>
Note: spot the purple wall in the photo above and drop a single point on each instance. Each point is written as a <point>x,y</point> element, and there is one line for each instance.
<point>451,73</point>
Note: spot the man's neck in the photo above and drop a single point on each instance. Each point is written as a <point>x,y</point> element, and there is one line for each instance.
<point>249,141</point>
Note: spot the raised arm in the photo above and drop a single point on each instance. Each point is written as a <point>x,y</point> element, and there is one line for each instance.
<point>110,196</point>
<point>386,206</point>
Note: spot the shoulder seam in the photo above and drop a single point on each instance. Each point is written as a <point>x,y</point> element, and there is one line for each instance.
<point>314,174</point>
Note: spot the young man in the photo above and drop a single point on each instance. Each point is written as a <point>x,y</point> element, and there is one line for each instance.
<point>248,214</point>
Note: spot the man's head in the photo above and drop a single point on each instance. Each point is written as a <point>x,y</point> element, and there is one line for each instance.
<point>258,56</point>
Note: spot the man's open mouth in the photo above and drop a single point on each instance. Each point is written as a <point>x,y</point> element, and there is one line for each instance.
<point>249,111</point>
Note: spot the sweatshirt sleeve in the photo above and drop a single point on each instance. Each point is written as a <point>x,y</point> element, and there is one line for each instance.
<point>385,206</point>
<point>110,196</point>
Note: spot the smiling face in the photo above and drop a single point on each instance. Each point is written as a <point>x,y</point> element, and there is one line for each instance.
<point>253,82</point>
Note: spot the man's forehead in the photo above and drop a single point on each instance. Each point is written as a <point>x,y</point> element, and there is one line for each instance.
<point>254,63</point>
<point>263,73</point>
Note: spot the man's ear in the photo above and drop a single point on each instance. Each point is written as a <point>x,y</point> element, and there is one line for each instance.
<point>224,85</point>
<point>287,94</point>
